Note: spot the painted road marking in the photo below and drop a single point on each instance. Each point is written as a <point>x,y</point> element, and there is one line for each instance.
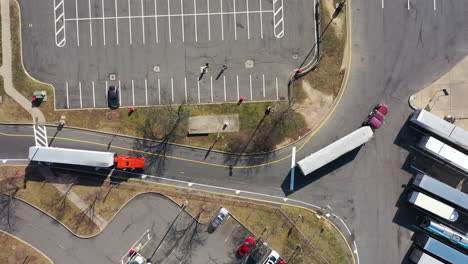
<point>59,15</point>
<point>250,81</point>
<point>120,95</point>
<point>103,24</point>
<point>156,20</point>
<point>224,85</point>
<point>159,91</point>
<point>169,21</point>
<point>116,23</point>
<point>222,21</point>
<point>66,89</point>
<point>261,19</point>
<point>172,89</point>
<point>77,27</point>
<point>94,97</point>
<point>143,21</point>
<point>196,26</point>
<point>185,87</point>
<point>263,77</point>
<point>276,81</point>
<point>209,19</point>
<point>146,91</point>
<point>130,22</point>
<point>248,18</point>
<point>133,93</point>
<point>107,87</point>
<point>382,3</point>
<point>90,25</point>
<point>293,165</point>
<point>408,4</point>
<point>278,18</point>
<point>435,5</point>
<point>235,20</point>
<point>198,87</point>
<point>237,80</point>
<point>211,81</point>
<point>182,18</point>
<point>81,101</point>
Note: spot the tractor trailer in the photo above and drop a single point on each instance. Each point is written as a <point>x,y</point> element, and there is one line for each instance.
<point>84,158</point>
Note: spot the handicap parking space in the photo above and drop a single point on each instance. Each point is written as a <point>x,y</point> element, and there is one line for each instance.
<point>159,46</point>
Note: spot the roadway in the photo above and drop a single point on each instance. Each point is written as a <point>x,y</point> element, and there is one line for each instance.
<point>396,51</point>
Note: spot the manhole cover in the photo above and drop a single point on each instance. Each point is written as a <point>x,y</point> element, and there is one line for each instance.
<point>112,76</point>
<point>112,116</point>
<point>249,64</point>
<point>156,68</point>
<point>295,56</point>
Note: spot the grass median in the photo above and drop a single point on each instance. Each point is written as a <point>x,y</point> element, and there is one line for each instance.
<point>280,226</point>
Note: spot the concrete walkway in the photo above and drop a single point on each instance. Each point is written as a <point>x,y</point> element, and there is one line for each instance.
<point>455,104</point>
<point>5,69</point>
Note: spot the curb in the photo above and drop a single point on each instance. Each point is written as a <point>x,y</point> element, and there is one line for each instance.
<point>411,102</point>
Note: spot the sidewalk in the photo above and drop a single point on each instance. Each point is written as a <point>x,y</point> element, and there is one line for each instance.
<point>455,104</point>
<point>5,69</point>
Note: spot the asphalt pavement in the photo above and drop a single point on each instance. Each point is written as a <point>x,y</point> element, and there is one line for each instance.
<point>396,51</point>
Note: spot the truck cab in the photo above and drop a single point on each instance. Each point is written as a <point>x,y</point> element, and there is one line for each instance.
<point>129,162</point>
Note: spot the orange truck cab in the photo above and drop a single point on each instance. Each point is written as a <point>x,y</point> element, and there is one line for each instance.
<point>129,162</point>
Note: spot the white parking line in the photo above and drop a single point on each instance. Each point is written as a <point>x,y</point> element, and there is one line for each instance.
<point>211,80</point>
<point>408,4</point>
<point>435,5</point>
<point>107,87</point>
<point>156,20</point>
<point>159,91</point>
<point>209,18</point>
<point>169,20</point>
<point>81,100</point>
<point>196,26</point>
<point>237,80</point>
<point>250,80</point>
<point>172,89</point>
<point>116,23</point>
<point>130,22</point>
<point>66,89</point>
<point>248,18</point>
<point>277,95</point>
<point>77,27</point>
<point>94,98</point>
<point>182,18</point>
<point>90,24</point>
<point>143,21</point>
<point>133,93</point>
<point>103,24</point>
<point>263,77</point>
<point>261,19</point>
<point>235,20</point>
<point>224,85</point>
<point>382,3</point>
<point>198,87</point>
<point>120,95</point>
<point>185,87</point>
<point>222,20</point>
<point>146,91</point>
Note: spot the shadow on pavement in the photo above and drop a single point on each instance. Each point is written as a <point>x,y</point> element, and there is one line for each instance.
<point>301,180</point>
<point>65,174</point>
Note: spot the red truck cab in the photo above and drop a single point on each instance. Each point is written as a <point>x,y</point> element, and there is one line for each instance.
<point>129,162</point>
<point>377,116</point>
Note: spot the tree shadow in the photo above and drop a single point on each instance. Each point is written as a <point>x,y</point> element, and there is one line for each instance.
<point>301,180</point>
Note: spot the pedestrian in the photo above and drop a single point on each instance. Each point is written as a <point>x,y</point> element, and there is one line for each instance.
<point>131,252</point>
<point>241,100</point>
<point>221,71</point>
<point>132,109</point>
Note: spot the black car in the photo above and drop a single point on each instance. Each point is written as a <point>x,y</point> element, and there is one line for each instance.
<point>113,97</point>
<point>258,253</point>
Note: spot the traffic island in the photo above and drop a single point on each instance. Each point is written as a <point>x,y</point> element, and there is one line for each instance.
<point>15,250</point>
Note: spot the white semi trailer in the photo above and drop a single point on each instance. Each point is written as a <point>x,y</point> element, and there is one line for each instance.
<point>335,150</point>
<point>71,156</point>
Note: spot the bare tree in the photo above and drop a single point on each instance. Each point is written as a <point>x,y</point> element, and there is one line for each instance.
<point>9,188</point>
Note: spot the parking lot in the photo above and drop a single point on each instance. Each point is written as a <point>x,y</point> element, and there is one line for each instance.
<point>154,50</point>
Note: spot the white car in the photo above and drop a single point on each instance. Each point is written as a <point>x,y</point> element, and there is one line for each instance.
<point>272,258</point>
<point>222,214</point>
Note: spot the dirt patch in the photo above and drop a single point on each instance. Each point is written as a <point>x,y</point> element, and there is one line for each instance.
<point>339,22</point>
<point>314,106</point>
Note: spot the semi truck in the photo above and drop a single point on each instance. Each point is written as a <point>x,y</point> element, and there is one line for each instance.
<point>431,205</point>
<point>89,158</point>
<point>444,152</point>
<point>335,150</point>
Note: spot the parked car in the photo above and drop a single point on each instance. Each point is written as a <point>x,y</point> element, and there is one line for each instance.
<point>257,255</point>
<point>248,244</point>
<point>272,258</point>
<point>113,97</point>
<point>282,262</point>
<point>218,220</point>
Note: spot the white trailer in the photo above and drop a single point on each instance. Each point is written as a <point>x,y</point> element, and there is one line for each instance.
<point>71,156</point>
<point>335,150</point>
<point>445,152</point>
<point>433,206</point>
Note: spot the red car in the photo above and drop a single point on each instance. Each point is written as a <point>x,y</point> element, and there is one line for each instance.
<point>282,262</point>
<point>248,244</point>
